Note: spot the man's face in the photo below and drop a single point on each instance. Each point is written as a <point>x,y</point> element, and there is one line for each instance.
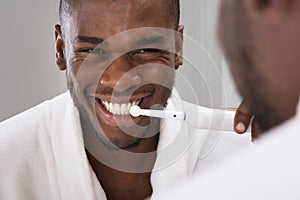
<point>111,67</point>
<point>260,43</point>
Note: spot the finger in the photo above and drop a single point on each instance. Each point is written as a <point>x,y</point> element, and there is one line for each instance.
<point>242,119</point>
<point>255,130</point>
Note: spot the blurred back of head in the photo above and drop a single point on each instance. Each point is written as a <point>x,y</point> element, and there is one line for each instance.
<point>261,42</point>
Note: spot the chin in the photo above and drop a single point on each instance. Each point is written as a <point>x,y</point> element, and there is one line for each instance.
<point>121,143</point>
<point>260,105</point>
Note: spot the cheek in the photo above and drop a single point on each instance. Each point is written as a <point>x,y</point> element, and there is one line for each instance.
<point>241,80</point>
<point>82,76</point>
<point>162,79</point>
<point>158,74</point>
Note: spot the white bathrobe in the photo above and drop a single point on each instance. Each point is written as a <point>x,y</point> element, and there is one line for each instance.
<point>42,154</point>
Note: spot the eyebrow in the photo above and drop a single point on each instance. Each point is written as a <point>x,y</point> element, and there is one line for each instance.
<point>141,42</point>
<point>150,40</point>
<point>86,39</point>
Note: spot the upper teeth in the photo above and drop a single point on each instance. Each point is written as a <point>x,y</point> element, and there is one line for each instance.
<point>119,109</point>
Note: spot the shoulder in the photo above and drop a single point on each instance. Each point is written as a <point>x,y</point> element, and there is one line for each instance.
<point>26,149</point>
<point>274,162</point>
<point>32,117</point>
<point>24,129</point>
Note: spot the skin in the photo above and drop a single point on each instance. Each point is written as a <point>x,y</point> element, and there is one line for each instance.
<point>86,81</point>
<point>261,42</point>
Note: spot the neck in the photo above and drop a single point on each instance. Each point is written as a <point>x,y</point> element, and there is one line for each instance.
<point>119,184</point>
<point>123,174</point>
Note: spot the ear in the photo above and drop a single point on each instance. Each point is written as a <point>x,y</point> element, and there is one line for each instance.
<point>60,48</point>
<point>179,47</point>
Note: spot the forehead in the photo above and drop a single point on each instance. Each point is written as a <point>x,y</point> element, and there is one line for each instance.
<point>109,17</point>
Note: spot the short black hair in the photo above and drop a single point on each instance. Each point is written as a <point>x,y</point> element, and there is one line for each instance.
<point>66,8</point>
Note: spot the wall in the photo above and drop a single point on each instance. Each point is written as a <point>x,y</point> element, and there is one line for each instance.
<point>202,65</point>
<point>28,73</point>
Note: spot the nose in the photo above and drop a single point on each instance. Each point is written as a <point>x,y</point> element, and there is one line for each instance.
<point>119,75</point>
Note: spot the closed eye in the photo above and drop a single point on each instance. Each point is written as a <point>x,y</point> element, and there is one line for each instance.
<point>95,51</point>
<point>149,50</point>
<point>149,54</point>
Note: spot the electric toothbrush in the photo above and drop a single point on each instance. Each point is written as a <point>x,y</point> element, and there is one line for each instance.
<point>196,116</point>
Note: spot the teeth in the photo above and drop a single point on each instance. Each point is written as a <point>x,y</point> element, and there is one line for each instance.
<point>119,109</point>
<point>110,107</point>
<point>123,109</point>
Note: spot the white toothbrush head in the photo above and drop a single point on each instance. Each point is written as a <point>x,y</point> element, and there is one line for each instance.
<point>135,111</point>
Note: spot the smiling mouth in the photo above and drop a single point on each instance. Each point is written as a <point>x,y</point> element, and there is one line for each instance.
<point>119,109</point>
<point>121,105</point>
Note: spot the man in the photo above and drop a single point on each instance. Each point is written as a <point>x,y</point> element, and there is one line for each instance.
<point>261,42</point>
<point>83,144</point>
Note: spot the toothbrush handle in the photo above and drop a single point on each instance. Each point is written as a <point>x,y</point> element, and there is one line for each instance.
<point>207,118</point>
<point>216,120</point>
<point>164,114</point>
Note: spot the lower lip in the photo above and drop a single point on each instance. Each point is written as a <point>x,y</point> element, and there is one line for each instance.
<point>119,120</point>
